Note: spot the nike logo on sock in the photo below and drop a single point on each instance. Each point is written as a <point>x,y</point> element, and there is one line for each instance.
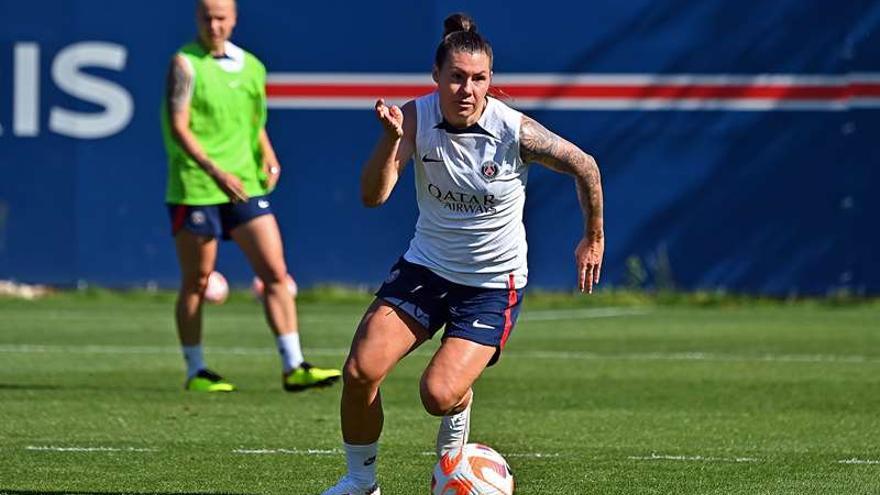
<point>370,461</point>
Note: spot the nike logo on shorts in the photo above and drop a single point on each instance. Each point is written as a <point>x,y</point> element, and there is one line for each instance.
<point>263,204</point>
<point>477,324</point>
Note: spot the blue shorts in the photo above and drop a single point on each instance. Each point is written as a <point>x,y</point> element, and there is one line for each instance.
<point>216,220</point>
<point>484,316</point>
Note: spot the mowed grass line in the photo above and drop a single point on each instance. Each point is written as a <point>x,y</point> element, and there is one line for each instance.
<point>770,399</point>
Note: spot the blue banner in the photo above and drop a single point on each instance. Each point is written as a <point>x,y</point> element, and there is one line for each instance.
<point>737,142</point>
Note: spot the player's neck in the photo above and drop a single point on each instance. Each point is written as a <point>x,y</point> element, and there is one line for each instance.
<point>213,50</point>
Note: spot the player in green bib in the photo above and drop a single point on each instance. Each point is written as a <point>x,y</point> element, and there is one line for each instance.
<point>221,168</point>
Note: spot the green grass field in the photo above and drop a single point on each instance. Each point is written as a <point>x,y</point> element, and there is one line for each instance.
<point>640,399</point>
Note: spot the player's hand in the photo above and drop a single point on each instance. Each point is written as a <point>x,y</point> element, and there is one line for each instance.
<point>273,173</point>
<point>588,257</point>
<point>391,118</point>
<point>232,186</point>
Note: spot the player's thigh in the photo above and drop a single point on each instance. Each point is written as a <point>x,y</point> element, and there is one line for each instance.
<point>454,368</point>
<point>385,335</point>
<point>196,255</point>
<point>260,240</point>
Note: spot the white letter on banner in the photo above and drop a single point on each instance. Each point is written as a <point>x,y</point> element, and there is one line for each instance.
<point>26,91</point>
<point>115,99</point>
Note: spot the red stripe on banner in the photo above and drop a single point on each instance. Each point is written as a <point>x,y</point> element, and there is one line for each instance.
<point>774,92</point>
<point>331,90</point>
<point>865,90</point>
<point>676,92</point>
<point>511,302</point>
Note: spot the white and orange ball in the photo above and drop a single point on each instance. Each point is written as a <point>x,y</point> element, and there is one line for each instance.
<point>217,289</point>
<point>257,287</point>
<point>474,469</point>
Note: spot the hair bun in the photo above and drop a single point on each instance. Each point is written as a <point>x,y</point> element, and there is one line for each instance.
<point>458,22</point>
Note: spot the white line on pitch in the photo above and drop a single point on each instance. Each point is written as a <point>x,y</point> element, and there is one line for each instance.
<point>579,314</point>
<point>318,452</point>
<point>289,451</point>
<point>334,452</point>
<point>136,317</point>
<point>511,354</point>
<point>533,455</point>
<point>52,448</point>
<point>698,356</point>
<point>691,458</point>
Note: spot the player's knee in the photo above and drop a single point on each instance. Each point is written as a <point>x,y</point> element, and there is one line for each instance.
<point>438,398</point>
<point>276,277</point>
<point>195,283</point>
<point>356,374</point>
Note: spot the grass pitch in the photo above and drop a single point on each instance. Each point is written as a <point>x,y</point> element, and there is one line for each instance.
<point>638,399</point>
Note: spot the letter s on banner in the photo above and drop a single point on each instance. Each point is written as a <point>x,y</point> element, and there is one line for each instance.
<point>118,104</point>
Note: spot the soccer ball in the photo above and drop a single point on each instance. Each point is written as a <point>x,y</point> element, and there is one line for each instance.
<point>474,469</point>
<point>217,289</point>
<point>257,287</point>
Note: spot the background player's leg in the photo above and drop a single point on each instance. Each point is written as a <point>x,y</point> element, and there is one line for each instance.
<point>260,239</point>
<point>196,256</point>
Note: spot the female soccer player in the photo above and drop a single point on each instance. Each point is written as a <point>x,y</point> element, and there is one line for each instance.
<point>221,167</point>
<point>465,268</point>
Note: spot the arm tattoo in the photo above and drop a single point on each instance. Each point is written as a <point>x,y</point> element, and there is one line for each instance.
<point>537,144</point>
<point>180,85</point>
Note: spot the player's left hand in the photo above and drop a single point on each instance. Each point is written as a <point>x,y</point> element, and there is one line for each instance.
<point>273,173</point>
<point>588,257</point>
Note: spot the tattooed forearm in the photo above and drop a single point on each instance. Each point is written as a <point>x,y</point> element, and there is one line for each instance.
<point>180,84</point>
<point>178,94</point>
<point>537,144</point>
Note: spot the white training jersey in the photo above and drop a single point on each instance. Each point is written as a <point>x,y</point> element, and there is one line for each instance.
<point>471,190</point>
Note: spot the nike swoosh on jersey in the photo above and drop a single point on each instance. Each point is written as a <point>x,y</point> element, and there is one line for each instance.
<point>428,159</point>
<point>477,324</point>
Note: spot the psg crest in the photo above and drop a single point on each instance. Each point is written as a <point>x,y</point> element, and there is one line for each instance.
<point>490,170</point>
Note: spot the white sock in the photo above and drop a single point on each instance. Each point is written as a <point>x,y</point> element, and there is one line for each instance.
<point>195,360</point>
<point>361,460</point>
<point>291,352</point>
<point>454,430</point>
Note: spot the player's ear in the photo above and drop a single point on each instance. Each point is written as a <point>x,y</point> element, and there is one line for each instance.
<point>435,74</point>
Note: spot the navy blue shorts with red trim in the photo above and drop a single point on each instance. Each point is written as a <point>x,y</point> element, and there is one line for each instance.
<point>484,316</point>
<point>216,220</point>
